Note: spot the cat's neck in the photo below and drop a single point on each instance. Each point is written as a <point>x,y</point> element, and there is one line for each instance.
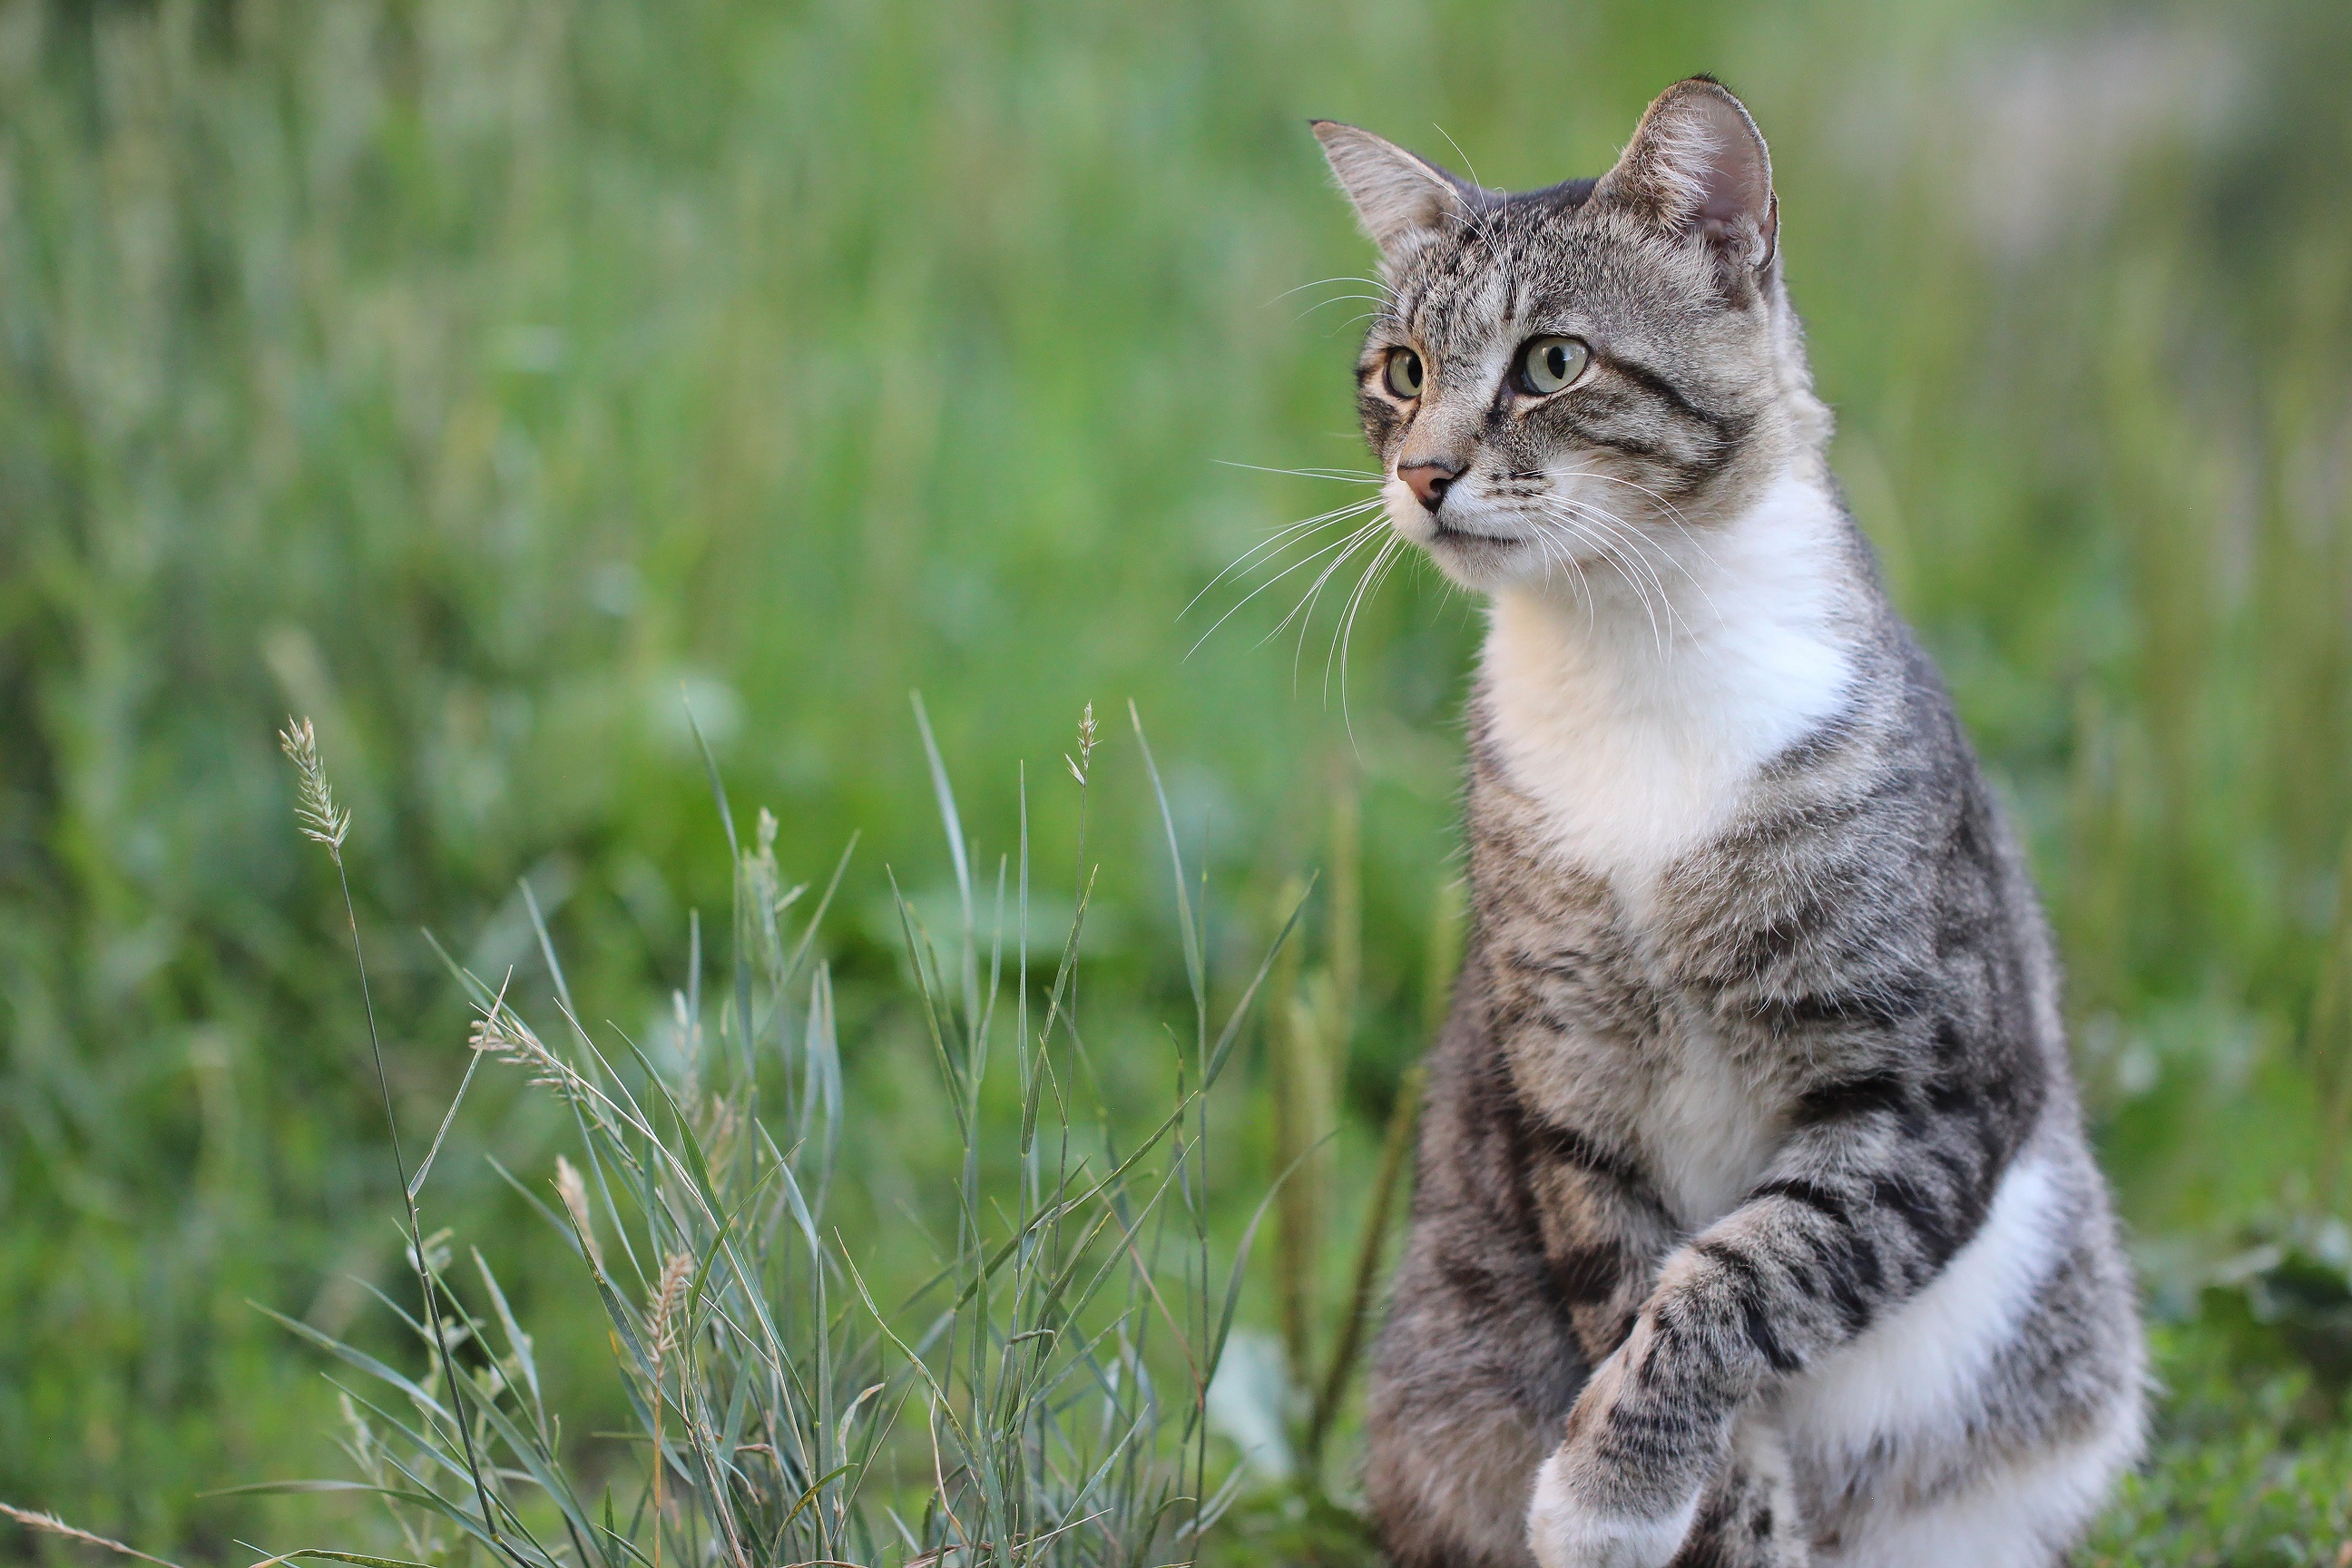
<point>1638,718</point>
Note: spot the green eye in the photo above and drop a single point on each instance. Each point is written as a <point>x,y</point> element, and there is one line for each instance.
<point>1404,373</point>
<point>1546,365</point>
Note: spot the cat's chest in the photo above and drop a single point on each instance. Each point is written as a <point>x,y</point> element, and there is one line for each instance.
<point>1707,1123</point>
<point>1615,795</point>
<point>1602,1036</point>
<point>1636,744</point>
<point>1599,1040</point>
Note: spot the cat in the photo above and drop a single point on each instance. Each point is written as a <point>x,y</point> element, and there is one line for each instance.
<point>1755,1220</point>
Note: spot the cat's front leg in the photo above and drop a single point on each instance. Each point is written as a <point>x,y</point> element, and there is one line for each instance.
<point>1862,1209</point>
<point>1602,1501</point>
<point>1746,1516</point>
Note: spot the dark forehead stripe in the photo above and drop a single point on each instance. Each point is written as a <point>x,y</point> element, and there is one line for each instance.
<point>1726,426</point>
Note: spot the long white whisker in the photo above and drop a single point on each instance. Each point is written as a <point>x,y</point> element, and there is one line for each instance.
<point>1346,546</point>
<point>1631,532</point>
<point>1367,475</point>
<point>1639,580</point>
<point>1635,549</point>
<point>1458,152</point>
<point>1282,539</point>
<point>1560,535</point>
<point>1340,299</point>
<point>1672,511</point>
<point>1340,633</point>
<point>1366,586</point>
<point>1625,532</point>
<point>1368,282</point>
<point>1304,611</point>
<point>1673,514</point>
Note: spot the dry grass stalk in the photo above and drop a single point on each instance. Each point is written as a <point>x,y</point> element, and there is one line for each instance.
<point>51,1524</point>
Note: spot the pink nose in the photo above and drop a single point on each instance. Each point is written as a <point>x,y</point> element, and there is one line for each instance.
<point>1430,481</point>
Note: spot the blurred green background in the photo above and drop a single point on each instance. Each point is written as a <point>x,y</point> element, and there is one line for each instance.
<point>492,381</point>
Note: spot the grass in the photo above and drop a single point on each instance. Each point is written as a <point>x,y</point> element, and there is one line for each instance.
<point>477,379</point>
<point>1018,1406</point>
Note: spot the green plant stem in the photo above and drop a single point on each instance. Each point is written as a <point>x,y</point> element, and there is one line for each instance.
<point>1394,1148</point>
<point>425,1280</point>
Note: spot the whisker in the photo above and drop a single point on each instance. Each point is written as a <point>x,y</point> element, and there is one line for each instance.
<point>1340,299</point>
<point>1367,588</point>
<point>1341,633</point>
<point>1638,581</point>
<point>1673,514</point>
<point>1304,611</point>
<point>1368,282</point>
<point>1552,531</point>
<point>1367,476</point>
<point>1625,532</point>
<point>1282,539</point>
<point>1634,533</point>
<point>1347,546</point>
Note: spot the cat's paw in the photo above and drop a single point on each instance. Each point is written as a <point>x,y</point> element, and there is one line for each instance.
<point>1565,1530</point>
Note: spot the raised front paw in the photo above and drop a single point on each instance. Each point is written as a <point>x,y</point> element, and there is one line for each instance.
<point>1567,1530</point>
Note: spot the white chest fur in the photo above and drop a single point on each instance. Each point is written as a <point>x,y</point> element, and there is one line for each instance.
<point>1707,1130</point>
<point>1637,721</point>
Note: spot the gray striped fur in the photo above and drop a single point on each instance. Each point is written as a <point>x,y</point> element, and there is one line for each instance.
<point>1756,1223</point>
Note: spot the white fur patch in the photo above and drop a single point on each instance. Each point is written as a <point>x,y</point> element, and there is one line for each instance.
<point>1915,1372</point>
<point>1564,1532</point>
<point>1637,719</point>
<point>1706,1129</point>
<point>2020,1516</point>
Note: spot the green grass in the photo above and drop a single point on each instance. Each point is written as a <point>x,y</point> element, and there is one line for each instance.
<point>1035,1399</point>
<point>479,380</point>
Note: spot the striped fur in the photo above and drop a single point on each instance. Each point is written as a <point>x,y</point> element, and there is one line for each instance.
<point>1756,1222</point>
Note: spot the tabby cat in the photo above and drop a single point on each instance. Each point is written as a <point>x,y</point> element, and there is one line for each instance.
<point>1756,1223</point>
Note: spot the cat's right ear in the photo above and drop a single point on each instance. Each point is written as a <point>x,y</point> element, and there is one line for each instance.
<point>1401,200</point>
<point>1698,165</point>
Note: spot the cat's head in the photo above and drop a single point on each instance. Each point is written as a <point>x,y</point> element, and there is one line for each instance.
<point>1577,377</point>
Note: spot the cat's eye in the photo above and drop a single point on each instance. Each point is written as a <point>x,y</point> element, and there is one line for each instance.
<point>1404,373</point>
<point>1548,364</point>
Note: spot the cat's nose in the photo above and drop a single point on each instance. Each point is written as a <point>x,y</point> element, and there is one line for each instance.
<point>1430,481</point>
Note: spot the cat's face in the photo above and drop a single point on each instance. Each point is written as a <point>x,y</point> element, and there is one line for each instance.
<point>1578,381</point>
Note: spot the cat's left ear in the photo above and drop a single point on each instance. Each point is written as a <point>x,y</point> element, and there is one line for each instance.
<point>1698,165</point>
<point>1403,200</point>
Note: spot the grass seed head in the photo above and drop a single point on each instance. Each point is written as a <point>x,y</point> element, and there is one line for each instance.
<point>575,1194</point>
<point>1087,738</point>
<point>314,806</point>
<point>668,1307</point>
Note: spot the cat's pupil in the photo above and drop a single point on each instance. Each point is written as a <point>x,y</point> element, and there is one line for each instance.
<point>1556,360</point>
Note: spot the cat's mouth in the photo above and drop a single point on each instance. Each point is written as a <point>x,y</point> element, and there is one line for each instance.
<point>1445,532</point>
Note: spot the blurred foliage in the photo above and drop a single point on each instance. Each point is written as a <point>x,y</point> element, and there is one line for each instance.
<point>494,383</point>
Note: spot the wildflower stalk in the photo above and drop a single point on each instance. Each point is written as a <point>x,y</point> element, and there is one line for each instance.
<point>325,823</point>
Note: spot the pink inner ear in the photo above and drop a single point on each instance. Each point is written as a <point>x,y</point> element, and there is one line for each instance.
<point>1737,179</point>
